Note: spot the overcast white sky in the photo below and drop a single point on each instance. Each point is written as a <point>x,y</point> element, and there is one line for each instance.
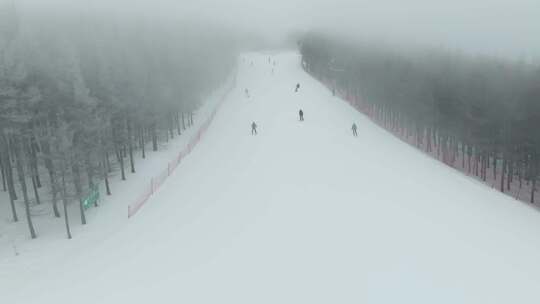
<point>497,27</point>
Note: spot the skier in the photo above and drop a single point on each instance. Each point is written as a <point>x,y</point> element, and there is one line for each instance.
<point>297,87</point>
<point>247,93</point>
<point>301,113</point>
<point>253,128</point>
<point>354,128</point>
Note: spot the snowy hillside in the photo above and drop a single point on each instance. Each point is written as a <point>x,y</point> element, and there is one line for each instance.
<point>303,212</point>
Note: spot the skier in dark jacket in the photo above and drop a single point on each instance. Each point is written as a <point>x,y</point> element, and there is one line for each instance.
<point>253,128</point>
<point>301,114</point>
<point>354,128</point>
<point>297,87</point>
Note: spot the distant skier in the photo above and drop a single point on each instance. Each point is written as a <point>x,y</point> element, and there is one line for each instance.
<point>297,87</point>
<point>253,128</point>
<point>301,114</point>
<point>247,93</point>
<point>354,128</point>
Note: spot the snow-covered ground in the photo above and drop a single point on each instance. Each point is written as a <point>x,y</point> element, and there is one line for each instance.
<point>52,246</point>
<point>301,213</point>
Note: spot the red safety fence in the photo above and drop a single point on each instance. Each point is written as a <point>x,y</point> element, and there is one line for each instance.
<point>518,190</point>
<point>158,180</point>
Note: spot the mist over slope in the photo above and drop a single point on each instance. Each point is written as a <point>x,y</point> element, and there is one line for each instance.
<point>302,212</point>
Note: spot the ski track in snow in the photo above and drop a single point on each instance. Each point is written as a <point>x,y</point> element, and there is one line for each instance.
<point>301,213</point>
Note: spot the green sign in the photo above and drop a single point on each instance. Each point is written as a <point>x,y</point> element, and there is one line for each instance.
<point>92,197</point>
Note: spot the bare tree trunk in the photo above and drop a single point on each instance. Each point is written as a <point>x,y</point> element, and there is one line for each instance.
<point>463,155</point>
<point>438,147</point>
<point>520,174</point>
<point>485,161</point>
<point>78,189</point>
<point>510,173</point>
<point>103,165</point>
<point>475,165</point>
<point>65,200</point>
<point>533,189</point>
<point>469,155</point>
<point>50,169</point>
<point>495,166</point>
<point>34,163</point>
<point>130,147</point>
<point>54,196</point>
<point>428,135</point>
<point>4,184</point>
<point>10,150</point>
<point>183,121</point>
<point>143,144</point>
<point>502,172</point>
<point>154,137</point>
<point>89,169</point>
<point>433,137</point>
<point>36,193</point>
<point>177,121</point>
<point>20,170</point>
<point>10,184</point>
<point>171,125</point>
<point>108,162</point>
<point>534,169</point>
<point>105,178</point>
<point>120,159</point>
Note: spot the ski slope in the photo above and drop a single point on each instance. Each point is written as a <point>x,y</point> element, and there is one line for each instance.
<point>301,213</point>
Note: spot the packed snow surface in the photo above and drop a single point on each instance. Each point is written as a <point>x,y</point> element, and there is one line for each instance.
<point>303,212</point>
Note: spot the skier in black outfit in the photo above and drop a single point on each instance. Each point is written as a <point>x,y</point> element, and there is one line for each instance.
<point>253,128</point>
<point>354,128</point>
<point>297,87</point>
<point>301,113</point>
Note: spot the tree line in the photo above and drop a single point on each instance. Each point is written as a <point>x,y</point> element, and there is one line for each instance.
<point>83,97</point>
<point>479,114</point>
